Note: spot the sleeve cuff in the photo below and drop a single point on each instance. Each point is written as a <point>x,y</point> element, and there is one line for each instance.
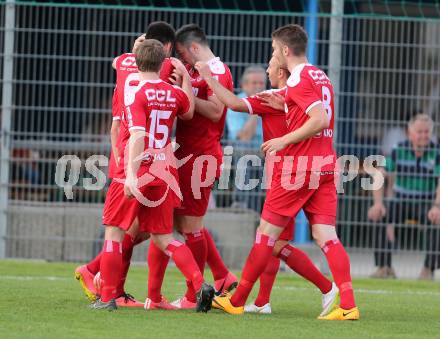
<point>313,105</point>
<point>137,128</point>
<point>116,118</point>
<point>249,106</point>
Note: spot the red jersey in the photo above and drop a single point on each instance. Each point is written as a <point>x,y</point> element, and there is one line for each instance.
<point>127,80</point>
<point>127,77</point>
<point>154,106</point>
<point>200,135</point>
<point>274,121</point>
<point>308,86</point>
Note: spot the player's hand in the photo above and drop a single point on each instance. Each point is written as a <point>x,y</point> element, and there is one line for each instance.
<point>434,215</point>
<point>175,79</point>
<point>130,187</point>
<point>272,99</point>
<point>179,72</point>
<point>179,67</point>
<point>272,146</point>
<point>203,69</point>
<point>377,212</point>
<point>137,42</point>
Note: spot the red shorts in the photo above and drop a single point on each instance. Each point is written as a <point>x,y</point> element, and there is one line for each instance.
<point>192,175</point>
<point>120,211</point>
<point>319,204</point>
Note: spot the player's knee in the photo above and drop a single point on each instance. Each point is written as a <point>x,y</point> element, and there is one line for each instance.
<point>114,233</point>
<point>188,224</point>
<point>269,230</point>
<point>279,245</point>
<point>162,240</point>
<point>323,233</point>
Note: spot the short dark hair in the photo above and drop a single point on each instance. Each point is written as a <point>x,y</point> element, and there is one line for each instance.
<point>191,33</point>
<point>150,55</point>
<point>294,37</point>
<point>162,31</point>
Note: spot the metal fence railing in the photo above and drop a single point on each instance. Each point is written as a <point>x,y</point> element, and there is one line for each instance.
<point>384,69</point>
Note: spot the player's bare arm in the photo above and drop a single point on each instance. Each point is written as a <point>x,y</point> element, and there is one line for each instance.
<point>115,60</point>
<point>114,133</point>
<point>317,122</point>
<point>211,108</point>
<point>135,148</point>
<point>182,73</point>
<point>223,94</point>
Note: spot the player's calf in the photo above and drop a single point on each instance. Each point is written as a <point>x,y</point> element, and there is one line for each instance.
<point>185,262</point>
<point>338,261</point>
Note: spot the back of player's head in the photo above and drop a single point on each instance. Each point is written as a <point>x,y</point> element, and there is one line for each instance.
<point>187,34</point>
<point>162,31</point>
<point>294,37</point>
<point>150,55</point>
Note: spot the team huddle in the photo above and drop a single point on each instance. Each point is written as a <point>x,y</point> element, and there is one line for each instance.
<point>158,188</point>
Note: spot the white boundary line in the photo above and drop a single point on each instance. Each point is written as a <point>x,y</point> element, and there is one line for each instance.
<point>32,278</point>
<point>364,290</point>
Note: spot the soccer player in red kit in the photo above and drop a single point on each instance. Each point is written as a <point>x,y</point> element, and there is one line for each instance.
<point>309,159</point>
<point>200,140</point>
<point>148,192</point>
<point>274,126</point>
<point>127,79</point>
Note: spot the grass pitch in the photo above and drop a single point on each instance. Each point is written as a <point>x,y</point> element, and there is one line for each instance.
<point>43,300</point>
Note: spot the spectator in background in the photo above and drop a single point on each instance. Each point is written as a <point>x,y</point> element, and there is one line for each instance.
<point>413,193</point>
<point>241,126</point>
<point>396,133</point>
<point>245,131</point>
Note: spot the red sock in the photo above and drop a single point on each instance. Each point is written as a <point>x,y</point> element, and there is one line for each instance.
<point>111,265</point>
<point>255,264</point>
<point>300,262</point>
<point>127,252</point>
<point>93,265</point>
<point>157,265</point>
<point>214,260</point>
<point>197,244</point>
<point>339,264</point>
<point>267,279</point>
<point>185,262</point>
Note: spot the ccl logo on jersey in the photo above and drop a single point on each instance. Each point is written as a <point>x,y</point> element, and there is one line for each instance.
<point>318,75</point>
<point>160,95</point>
<point>129,61</point>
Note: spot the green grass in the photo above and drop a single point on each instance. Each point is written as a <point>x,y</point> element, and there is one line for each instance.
<point>42,300</point>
